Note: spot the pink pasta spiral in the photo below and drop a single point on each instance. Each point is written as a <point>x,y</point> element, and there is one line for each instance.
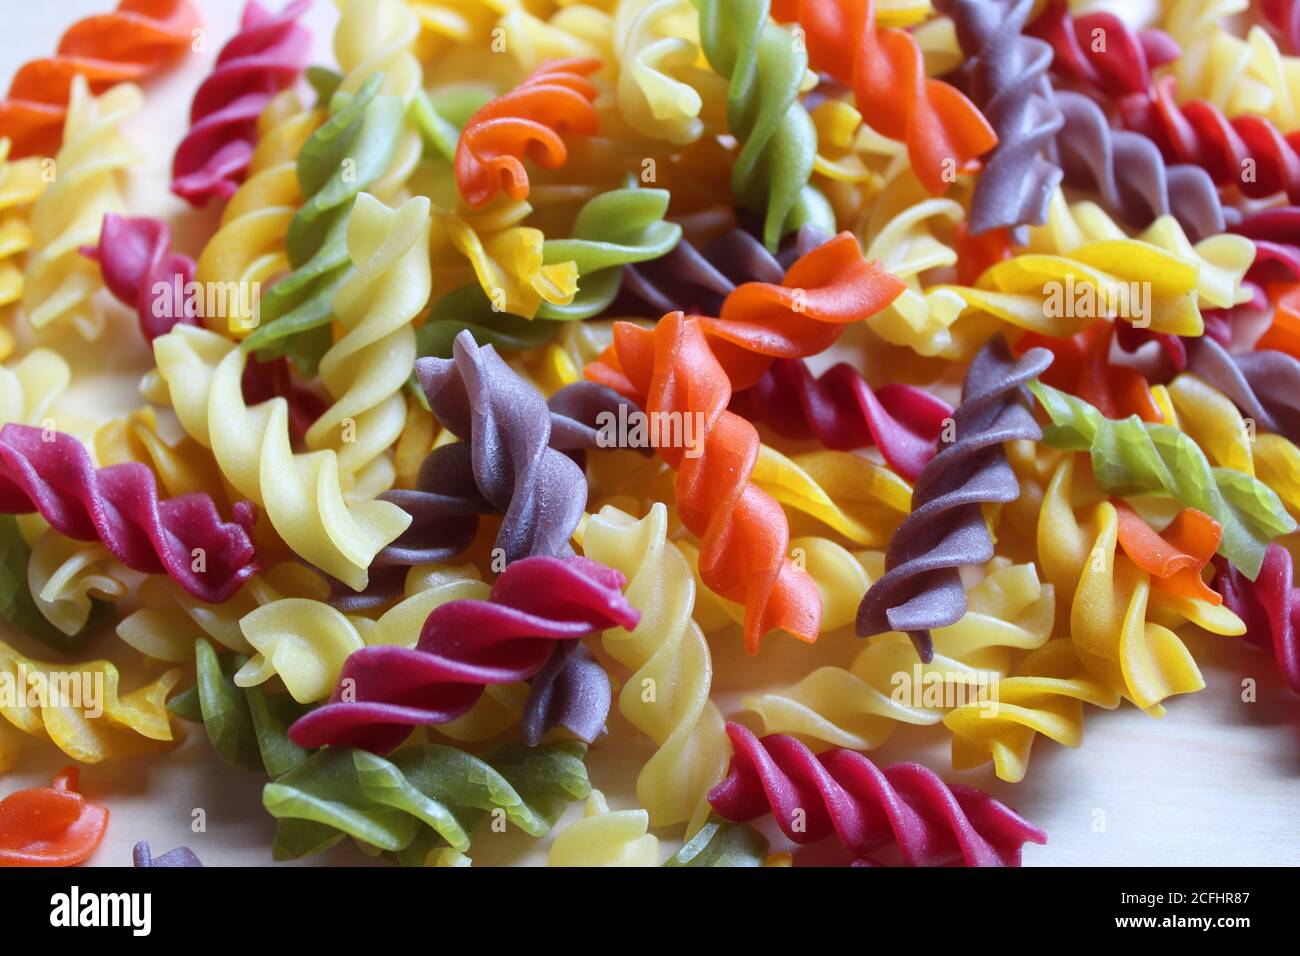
<point>841,792</point>
<point>135,258</point>
<point>119,505</point>
<point>384,690</point>
<point>843,412</point>
<point>1270,606</point>
<point>1119,66</point>
<point>263,58</point>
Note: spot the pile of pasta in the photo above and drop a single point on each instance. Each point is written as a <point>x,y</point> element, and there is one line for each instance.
<point>545,349</point>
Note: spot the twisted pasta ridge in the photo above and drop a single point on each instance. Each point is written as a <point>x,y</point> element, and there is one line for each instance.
<point>1081,366</point>
<point>943,130</point>
<point>743,532</point>
<point>528,120</point>
<point>1135,457</point>
<point>843,412</point>
<point>1269,605</point>
<point>1111,600</point>
<point>841,792</point>
<point>133,41</point>
<point>21,184</point>
<point>60,281</point>
<point>385,690</point>
<point>422,799</point>
<point>302,493</point>
<point>764,69</point>
<point>921,588</point>
<point>248,246</point>
<point>1265,385</point>
<point>181,856</point>
<point>723,843</point>
<point>1046,696</point>
<point>79,709</point>
<point>135,256</point>
<point>263,58</point>
<point>120,506</point>
<point>30,386</point>
<point>657,48</point>
<point>605,837</point>
<point>1284,17</point>
<point>63,575</point>
<point>1122,65</point>
<point>859,706</point>
<point>50,826</point>
<point>19,606</point>
<point>365,370</point>
<point>1127,169</point>
<point>1008,81</point>
<point>668,656</point>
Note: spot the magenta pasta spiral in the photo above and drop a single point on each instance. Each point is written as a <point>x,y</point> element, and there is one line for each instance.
<point>842,793</point>
<point>119,505</point>
<point>135,258</point>
<point>265,56</point>
<point>921,588</point>
<point>1008,82</point>
<point>385,690</point>
<point>1270,606</point>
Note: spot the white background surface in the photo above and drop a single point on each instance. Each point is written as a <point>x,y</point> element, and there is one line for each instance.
<point>1217,781</point>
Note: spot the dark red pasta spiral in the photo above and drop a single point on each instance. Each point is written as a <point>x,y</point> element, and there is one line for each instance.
<point>119,505</point>
<point>536,603</point>
<point>264,57</point>
<point>1269,605</point>
<point>1120,64</point>
<point>842,793</point>
<point>843,412</point>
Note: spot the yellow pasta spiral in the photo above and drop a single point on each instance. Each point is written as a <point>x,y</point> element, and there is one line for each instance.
<point>667,696</point>
<point>21,184</point>
<point>63,575</point>
<point>605,837</point>
<point>30,386</point>
<point>69,214</point>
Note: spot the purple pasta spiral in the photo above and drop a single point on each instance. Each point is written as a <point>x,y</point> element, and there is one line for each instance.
<point>1008,82</point>
<point>264,57</point>
<point>921,588</point>
<point>538,605</point>
<point>135,257</point>
<point>182,856</point>
<point>119,505</point>
<point>1128,172</point>
<point>1265,386</point>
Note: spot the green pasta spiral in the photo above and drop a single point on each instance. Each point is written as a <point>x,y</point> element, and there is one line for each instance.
<point>1133,457</point>
<point>765,68</point>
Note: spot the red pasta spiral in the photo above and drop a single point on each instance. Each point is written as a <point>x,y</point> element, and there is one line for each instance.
<point>138,38</point>
<point>842,793</point>
<point>671,372</point>
<point>886,71</point>
<point>1119,65</point>
<point>119,505</point>
<point>1269,605</point>
<point>135,257</point>
<point>824,290</point>
<point>464,646</point>
<point>264,57</point>
<point>527,121</point>
<point>843,412</point>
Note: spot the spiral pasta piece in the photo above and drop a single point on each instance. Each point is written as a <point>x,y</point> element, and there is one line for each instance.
<point>527,121</point>
<point>1269,606</point>
<point>135,257</point>
<point>264,57</point>
<point>921,588</point>
<point>120,506</point>
<point>843,793</point>
<point>422,799</point>
<point>658,49</point>
<point>765,68</point>
<point>1008,80</point>
<point>1046,696</point>
<point>30,386</point>
<point>302,493</point>
<point>138,38</point>
<point>605,837</point>
<point>64,575</point>
<point>743,532</point>
<point>1263,384</point>
<point>248,247</point>
<point>858,707</point>
<point>50,826</point>
<point>1122,65</point>
<point>21,184</point>
<point>68,215</point>
<point>78,708</point>
<point>943,130</point>
<point>669,658</point>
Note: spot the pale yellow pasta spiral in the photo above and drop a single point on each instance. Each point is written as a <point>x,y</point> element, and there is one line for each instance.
<point>63,575</point>
<point>365,370</point>
<point>302,494</point>
<point>657,46</point>
<point>605,837</point>
<point>86,185</point>
<point>667,695</point>
<point>30,386</point>
<point>21,184</point>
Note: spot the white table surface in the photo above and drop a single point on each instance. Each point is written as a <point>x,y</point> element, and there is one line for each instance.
<point>1215,782</point>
